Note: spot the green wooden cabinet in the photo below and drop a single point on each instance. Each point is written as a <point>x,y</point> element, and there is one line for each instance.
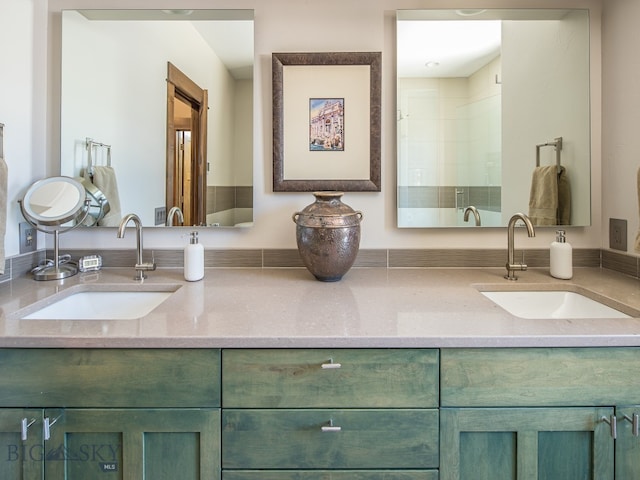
<point>627,443</point>
<point>87,444</point>
<point>526,444</point>
<point>317,378</point>
<point>330,414</point>
<point>524,377</point>
<point>21,444</point>
<point>330,475</point>
<point>325,439</point>
<point>110,413</point>
<point>320,414</point>
<point>149,444</point>
<point>566,399</point>
<point>105,378</point>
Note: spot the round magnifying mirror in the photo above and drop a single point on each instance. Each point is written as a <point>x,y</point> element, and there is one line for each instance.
<point>54,201</point>
<point>49,204</point>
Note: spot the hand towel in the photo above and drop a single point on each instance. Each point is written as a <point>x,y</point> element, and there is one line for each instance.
<point>104,178</point>
<point>637,243</point>
<point>4,175</point>
<point>550,196</point>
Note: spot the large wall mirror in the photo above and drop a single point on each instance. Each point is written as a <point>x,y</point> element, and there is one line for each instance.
<point>157,107</point>
<point>493,116</point>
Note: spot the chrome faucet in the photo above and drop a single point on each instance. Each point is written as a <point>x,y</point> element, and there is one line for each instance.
<point>476,214</point>
<point>173,212</point>
<point>140,266</point>
<point>511,265</point>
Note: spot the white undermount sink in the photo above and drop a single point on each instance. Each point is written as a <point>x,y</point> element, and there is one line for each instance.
<point>102,305</point>
<point>557,304</point>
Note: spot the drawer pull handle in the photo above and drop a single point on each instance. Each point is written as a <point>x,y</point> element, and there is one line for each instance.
<point>331,365</point>
<point>635,423</point>
<point>331,427</point>
<point>25,424</point>
<point>46,427</point>
<point>613,423</point>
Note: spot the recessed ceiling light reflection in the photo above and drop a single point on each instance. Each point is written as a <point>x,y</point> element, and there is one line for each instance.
<point>470,12</point>
<point>178,12</point>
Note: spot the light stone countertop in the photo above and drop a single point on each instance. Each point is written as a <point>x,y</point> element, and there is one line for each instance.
<point>288,308</point>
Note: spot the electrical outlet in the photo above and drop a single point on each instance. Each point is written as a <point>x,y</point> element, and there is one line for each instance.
<point>618,234</point>
<point>28,237</point>
<point>161,215</point>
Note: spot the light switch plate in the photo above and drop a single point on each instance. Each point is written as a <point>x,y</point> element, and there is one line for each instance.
<point>618,234</point>
<point>160,215</point>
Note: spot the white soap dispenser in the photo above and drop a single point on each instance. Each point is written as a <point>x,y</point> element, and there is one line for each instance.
<point>193,259</point>
<point>561,257</point>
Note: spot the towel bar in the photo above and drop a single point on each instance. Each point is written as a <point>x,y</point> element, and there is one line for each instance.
<point>557,144</point>
<point>90,144</point>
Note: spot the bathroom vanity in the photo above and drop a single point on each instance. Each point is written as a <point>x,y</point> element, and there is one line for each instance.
<point>389,374</point>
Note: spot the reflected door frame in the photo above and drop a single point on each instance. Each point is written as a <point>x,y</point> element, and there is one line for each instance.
<point>181,88</point>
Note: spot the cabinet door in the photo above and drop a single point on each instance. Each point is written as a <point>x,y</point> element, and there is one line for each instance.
<point>627,444</point>
<point>160,444</point>
<point>526,444</point>
<point>20,458</point>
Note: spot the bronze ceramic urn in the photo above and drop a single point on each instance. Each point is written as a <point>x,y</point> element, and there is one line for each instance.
<point>328,236</point>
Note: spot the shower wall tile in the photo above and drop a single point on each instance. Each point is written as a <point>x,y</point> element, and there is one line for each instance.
<point>221,198</point>
<point>482,197</point>
<point>244,197</point>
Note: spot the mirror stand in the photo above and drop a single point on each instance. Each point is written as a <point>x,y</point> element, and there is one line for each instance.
<point>56,270</point>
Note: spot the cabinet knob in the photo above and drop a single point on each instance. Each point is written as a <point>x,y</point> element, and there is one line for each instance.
<point>613,423</point>
<point>635,423</point>
<point>24,426</point>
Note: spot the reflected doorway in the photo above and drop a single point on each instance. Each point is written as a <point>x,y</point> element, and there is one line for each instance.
<point>186,147</point>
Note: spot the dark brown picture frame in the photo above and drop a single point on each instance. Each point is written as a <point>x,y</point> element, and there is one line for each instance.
<point>370,183</point>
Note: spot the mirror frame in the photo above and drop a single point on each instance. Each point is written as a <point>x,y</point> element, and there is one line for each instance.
<point>62,218</point>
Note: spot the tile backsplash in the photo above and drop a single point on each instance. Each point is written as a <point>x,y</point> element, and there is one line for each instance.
<point>367,258</point>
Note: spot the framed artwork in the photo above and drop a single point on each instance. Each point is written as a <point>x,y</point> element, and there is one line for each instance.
<point>326,121</point>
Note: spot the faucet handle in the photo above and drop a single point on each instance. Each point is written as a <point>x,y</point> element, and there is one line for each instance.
<point>523,266</point>
<point>146,266</point>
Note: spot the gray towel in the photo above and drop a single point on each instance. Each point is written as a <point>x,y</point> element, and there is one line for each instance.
<point>550,196</point>
<point>105,179</point>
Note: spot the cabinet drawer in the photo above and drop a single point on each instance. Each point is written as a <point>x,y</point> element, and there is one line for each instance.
<point>359,439</point>
<point>110,378</point>
<point>330,475</point>
<point>361,378</point>
<point>540,377</point>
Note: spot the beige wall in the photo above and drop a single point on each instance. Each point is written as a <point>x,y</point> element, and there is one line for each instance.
<point>292,25</point>
<point>620,115</point>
